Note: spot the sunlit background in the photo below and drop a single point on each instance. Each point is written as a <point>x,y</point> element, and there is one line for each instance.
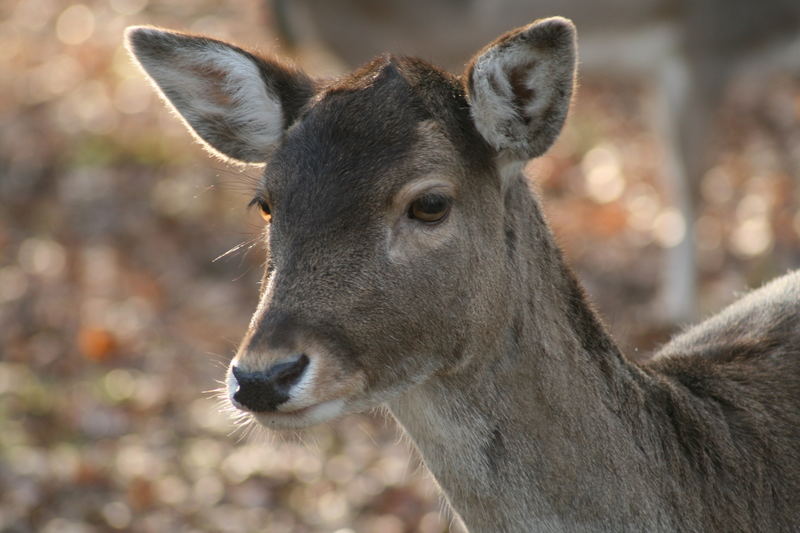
<point>116,321</point>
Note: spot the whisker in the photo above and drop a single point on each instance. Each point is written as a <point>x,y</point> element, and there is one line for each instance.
<point>219,359</point>
<point>243,274</point>
<point>232,250</point>
<point>234,344</point>
<point>220,393</point>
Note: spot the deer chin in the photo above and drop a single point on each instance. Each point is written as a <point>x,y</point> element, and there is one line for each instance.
<point>303,417</point>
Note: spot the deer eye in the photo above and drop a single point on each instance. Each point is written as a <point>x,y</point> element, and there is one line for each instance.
<point>263,208</point>
<point>430,208</point>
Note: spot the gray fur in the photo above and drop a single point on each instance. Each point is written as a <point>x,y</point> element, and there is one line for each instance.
<point>480,340</point>
<point>521,84</point>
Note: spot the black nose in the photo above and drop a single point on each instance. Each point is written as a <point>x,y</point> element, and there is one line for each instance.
<point>265,390</point>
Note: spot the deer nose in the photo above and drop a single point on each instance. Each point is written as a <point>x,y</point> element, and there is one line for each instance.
<point>265,390</point>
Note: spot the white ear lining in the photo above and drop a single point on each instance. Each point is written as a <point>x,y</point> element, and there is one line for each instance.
<point>253,108</point>
<point>218,91</point>
<point>241,97</point>
<point>520,88</point>
<point>496,116</point>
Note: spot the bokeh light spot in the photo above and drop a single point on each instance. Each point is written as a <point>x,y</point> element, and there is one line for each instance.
<point>117,515</point>
<point>604,180</point>
<point>75,24</point>
<point>42,257</point>
<point>669,228</point>
<point>128,7</point>
<point>13,283</point>
<point>752,237</point>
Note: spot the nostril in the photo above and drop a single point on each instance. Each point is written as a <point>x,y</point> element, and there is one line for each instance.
<point>265,390</point>
<point>255,392</point>
<point>241,376</point>
<point>287,374</point>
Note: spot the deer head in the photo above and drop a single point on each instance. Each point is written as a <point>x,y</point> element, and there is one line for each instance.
<point>384,193</point>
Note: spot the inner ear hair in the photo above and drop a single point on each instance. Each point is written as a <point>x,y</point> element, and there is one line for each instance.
<point>236,103</point>
<point>520,87</point>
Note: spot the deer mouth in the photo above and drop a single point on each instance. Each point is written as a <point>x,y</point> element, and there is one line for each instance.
<point>294,392</point>
<point>302,417</point>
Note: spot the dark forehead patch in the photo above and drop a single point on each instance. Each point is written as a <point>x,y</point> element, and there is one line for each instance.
<point>356,141</point>
<point>357,127</point>
<point>357,135</point>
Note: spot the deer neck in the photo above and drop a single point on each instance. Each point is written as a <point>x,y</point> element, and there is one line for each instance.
<point>535,424</point>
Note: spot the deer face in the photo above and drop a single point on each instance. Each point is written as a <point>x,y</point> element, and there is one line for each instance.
<point>369,206</point>
<point>384,206</point>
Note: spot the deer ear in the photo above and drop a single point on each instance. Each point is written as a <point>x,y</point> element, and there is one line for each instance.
<point>520,87</point>
<point>236,103</point>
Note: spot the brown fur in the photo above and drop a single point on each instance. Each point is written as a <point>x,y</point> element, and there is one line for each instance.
<point>479,338</point>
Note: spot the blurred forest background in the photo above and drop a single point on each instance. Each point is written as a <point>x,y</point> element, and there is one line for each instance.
<point>117,321</point>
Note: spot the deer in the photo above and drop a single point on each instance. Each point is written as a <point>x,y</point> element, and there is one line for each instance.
<point>410,265</point>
